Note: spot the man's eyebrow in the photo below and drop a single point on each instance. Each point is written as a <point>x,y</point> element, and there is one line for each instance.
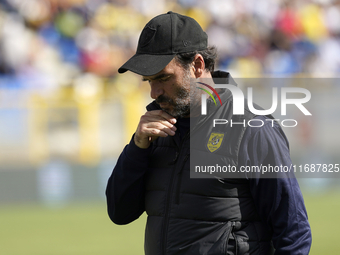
<point>157,77</point>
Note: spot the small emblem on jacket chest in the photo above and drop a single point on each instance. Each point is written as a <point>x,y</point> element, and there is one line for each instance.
<point>215,141</point>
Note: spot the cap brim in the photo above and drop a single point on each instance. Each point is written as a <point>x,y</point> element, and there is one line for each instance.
<point>145,64</point>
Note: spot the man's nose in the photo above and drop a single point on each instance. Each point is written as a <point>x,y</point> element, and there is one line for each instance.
<point>156,90</point>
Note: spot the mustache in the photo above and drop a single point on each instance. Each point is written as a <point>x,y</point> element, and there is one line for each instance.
<point>163,99</point>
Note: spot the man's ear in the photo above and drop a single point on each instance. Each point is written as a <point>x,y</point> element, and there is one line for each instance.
<point>198,65</point>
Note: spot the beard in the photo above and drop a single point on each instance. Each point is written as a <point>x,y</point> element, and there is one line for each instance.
<point>179,106</point>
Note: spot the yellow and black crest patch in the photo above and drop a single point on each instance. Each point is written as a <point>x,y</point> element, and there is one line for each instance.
<point>215,141</point>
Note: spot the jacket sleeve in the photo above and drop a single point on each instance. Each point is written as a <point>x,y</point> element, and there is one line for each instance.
<point>279,200</point>
<point>125,187</point>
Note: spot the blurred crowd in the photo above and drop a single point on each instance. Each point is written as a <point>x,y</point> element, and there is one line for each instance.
<point>45,44</point>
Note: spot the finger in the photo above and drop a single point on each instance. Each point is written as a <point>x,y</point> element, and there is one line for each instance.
<point>164,115</point>
<point>153,119</point>
<point>164,123</point>
<point>154,132</point>
<point>150,127</point>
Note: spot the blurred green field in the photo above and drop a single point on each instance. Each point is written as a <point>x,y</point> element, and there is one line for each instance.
<point>82,229</point>
<point>85,229</point>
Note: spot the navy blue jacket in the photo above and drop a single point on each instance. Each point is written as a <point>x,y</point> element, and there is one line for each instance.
<point>279,201</point>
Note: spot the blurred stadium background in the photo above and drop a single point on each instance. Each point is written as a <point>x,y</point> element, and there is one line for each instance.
<point>65,114</point>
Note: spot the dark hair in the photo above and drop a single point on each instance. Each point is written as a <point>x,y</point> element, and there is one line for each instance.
<point>209,55</point>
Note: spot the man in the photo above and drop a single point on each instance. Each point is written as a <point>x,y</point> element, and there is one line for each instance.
<point>248,215</point>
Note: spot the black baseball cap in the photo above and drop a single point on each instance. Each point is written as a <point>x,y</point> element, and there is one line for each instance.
<point>161,39</point>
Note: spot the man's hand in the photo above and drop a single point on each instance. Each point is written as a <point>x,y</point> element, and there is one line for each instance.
<point>152,125</point>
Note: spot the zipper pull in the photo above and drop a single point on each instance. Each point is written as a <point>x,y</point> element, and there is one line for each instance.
<point>175,159</point>
<point>184,160</point>
<point>186,157</point>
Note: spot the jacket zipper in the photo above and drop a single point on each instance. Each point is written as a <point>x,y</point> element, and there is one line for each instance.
<point>172,184</point>
<point>231,233</point>
<point>179,179</point>
<point>169,197</point>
